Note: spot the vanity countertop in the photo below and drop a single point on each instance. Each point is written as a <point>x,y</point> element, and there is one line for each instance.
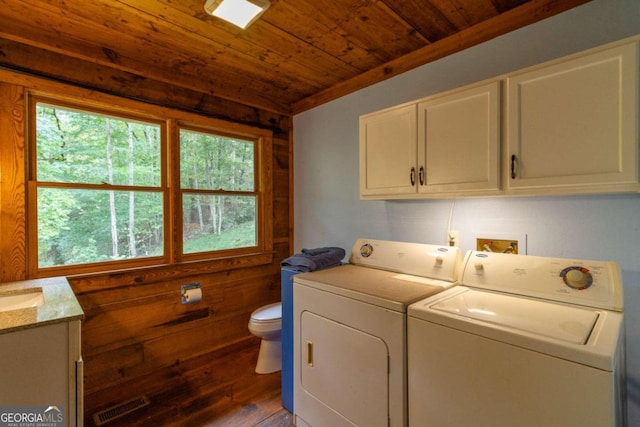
<point>60,305</point>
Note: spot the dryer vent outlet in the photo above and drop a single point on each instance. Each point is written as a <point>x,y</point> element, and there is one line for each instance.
<point>497,245</point>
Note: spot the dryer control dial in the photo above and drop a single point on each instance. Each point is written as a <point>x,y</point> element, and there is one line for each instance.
<point>366,250</point>
<point>577,277</point>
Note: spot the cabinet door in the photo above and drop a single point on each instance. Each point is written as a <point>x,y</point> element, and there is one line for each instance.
<point>39,368</point>
<point>458,141</point>
<point>388,152</point>
<point>572,125</point>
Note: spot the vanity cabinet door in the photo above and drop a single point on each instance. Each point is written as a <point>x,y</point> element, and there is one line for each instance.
<point>572,124</point>
<point>459,141</point>
<point>42,367</point>
<point>388,152</point>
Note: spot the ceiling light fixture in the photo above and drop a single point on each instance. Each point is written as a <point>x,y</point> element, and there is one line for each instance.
<point>239,12</point>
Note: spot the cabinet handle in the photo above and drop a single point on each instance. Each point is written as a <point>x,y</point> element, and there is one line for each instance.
<point>412,176</point>
<point>514,166</point>
<point>421,175</point>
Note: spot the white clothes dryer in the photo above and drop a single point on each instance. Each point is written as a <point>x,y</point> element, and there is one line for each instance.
<point>350,332</point>
<point>522,341</point>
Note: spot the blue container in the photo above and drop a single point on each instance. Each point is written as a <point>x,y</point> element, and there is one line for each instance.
<point>286,286</point>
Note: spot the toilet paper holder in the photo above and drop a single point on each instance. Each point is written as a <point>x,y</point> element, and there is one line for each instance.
<point>186,290</point>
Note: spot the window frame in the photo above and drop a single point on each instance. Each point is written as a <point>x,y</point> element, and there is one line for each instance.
<point>170,122</point>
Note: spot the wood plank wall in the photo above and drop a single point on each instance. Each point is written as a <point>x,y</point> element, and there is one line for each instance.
<point>137,337</point>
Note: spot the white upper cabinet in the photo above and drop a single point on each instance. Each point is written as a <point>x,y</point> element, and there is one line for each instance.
<point>568,126</point>
<point>572,125</point>
<point>388,152</point>
<point>443,146</point>
<point>459,141</point>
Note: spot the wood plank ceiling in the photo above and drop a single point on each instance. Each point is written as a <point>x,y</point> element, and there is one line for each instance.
<point>300,54</point>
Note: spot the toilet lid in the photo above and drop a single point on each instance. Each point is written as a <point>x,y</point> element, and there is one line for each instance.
<point>268,312</point>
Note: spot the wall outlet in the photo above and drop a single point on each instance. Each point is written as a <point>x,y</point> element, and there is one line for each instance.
<point>453,238</point>
<point>505,246</point>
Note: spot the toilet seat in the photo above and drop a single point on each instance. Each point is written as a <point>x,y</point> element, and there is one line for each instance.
<point>268,313</point>
<point>266,320</point>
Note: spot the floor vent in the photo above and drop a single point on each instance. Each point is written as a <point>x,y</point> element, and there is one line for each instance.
<point>120,410</point>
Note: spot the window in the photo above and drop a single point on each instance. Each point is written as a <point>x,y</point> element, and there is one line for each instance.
<point>100,194</point>
<point>99,187</point>
<point>218,189</point>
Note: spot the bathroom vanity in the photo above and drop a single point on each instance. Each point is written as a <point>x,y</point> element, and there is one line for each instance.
<point>41,368</point>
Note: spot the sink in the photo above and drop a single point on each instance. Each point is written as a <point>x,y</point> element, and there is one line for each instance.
<point>16,300</point>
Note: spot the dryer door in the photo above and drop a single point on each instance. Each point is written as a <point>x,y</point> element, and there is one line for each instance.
<point>346,370</point>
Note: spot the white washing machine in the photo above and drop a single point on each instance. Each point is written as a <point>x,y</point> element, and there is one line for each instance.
<point>523,341</point>
<point>350,332</point>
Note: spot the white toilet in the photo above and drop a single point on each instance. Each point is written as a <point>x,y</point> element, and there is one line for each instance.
<point>266,323</point>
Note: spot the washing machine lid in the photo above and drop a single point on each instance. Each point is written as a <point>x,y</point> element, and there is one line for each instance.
<point>562,322</point>
<point>552,328</point>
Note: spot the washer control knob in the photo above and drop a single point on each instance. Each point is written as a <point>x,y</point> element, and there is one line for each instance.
<point>439,260</point>
<point>577,277</point>
<point>478,266</point>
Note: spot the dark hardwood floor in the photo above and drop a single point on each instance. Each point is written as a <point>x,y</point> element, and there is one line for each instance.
<point>222,390</point>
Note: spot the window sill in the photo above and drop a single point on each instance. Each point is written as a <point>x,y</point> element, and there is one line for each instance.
<point>145,275</point>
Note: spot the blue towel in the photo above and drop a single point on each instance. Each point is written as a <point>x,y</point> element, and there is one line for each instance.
<point>314,259</point>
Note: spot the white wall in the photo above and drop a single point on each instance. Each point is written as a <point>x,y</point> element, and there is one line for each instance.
<point>328,211</point>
